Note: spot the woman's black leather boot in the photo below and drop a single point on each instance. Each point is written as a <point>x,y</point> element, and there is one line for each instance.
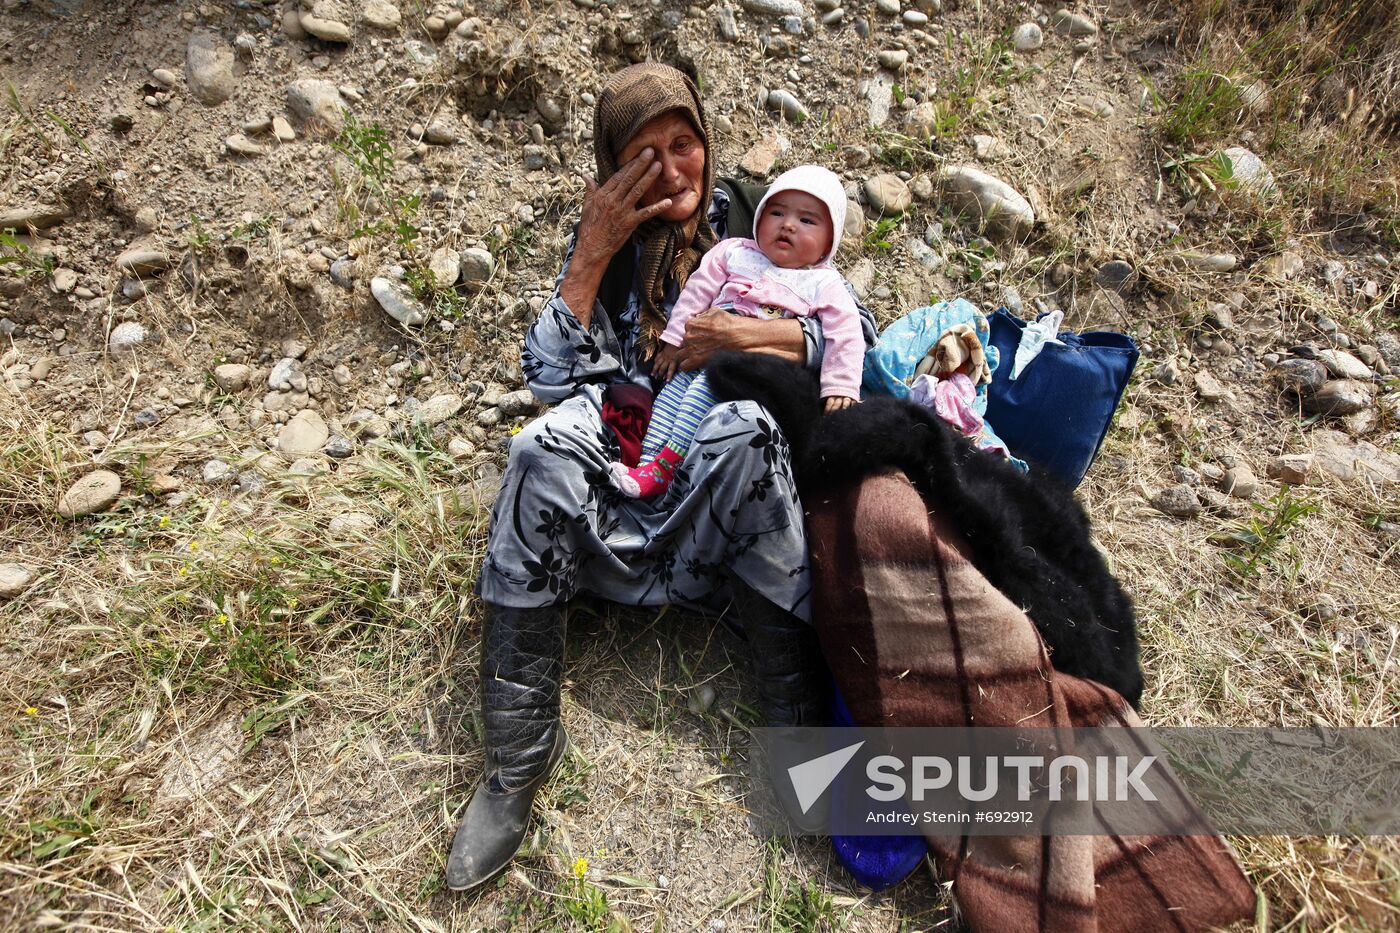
<point>787,662</point>
<point>522,657</point>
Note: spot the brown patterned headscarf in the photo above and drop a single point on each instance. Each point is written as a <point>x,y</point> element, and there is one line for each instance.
<point>670,251</point>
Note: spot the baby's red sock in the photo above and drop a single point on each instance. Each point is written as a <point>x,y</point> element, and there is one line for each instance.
<point>648,479</point>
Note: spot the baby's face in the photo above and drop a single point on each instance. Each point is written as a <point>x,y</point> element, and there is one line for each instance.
<point>795,229</point>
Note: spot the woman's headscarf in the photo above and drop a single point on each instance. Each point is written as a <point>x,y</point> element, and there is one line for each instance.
<point>631,98</point>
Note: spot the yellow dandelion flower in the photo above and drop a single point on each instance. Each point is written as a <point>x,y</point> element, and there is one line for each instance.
<point>31,711</point>
<point>194,545</point>
<point>164,521</point>
<point>516,429</point>
<point>291,602</point>
<point>580,867</point>
<point>223,503</point>
<point>183,570</point>
<point>274,559</point>
<point>223,618</point>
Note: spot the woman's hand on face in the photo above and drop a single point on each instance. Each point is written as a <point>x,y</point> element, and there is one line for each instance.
<point>663,367</point>
<point>708,333</point>
<point>610,211</point>
<point>838,402</point>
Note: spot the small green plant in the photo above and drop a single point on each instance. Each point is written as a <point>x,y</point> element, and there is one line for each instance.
<point>790,908</point>
<point>372,156</point>
<point>512,245</point>
<point>905,153</point>
<point>254,229</point>
<point>878,236</point>
<point>587,904</point>
<point>1260,537</point>
<point>446,303</point>
<point>18,259</point>
<point>1193,173</point>
<point>198,238</point>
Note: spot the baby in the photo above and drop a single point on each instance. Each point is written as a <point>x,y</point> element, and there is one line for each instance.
<point>785,271</point>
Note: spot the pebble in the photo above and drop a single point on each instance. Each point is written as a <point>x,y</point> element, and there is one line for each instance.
<point>726,24</point>
<point>887,7</point>
<point>988,147</point>
<point>381,14</point>
<point>1068,23</point>
<point>209,68</point>
<point>342,273</point>
<point>316,102</point>
<point>397,301</point>
<point>282,130</point>
<point>64,280</point>
<point>760,158</point>
<point>321,19</point>
<point>1208,387</point>
<point>143,259</point>
<point>164,77</point>
<point>239,144</point>
<point>1343,365</point>
<point>702,698</point>
<point>438,409</point>
<point>1285,265</point>
<point>126,337</point>
<point>477,267</point>
<point>1114,274</point>
<point>490,417</point>
<point>1301,376</point>
<point>834,17</point>
<point>146,418</point>
<point>1179,500</point>
<point>1166,373</point>
<point>519,402</point>
<point>789,106</point>
<point>216,472</point>
<point>888,194</point>
<point>1292,469</point>
<point>914,18</point>
<point>445,264</point>
<point>441,132</point>
<point>1027,37</point>
<point>95,492</point>
<point>14,580</point>
<point>1239,481</point>
<point>893,59</point>
<point>1250,172</point>
<point>774,7</point>
<point>1004,213</point>
<point>1205,262</point>
<point>1339,397</point>
<point>338,446</point>
<point>302,436</point>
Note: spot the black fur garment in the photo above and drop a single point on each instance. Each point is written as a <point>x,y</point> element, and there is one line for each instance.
<point>1029,537</point>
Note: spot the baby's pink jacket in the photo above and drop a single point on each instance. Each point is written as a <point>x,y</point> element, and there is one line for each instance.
<point>736,273</point>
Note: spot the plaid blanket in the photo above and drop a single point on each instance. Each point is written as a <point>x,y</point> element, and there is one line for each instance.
<point>916,636</point>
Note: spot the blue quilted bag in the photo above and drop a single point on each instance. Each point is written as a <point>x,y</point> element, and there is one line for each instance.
<point>1056,413</point>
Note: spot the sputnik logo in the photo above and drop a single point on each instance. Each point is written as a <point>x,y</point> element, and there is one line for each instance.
<point>811,778</point>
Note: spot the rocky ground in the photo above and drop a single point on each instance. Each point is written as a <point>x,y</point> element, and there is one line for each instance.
<point>262,303</point>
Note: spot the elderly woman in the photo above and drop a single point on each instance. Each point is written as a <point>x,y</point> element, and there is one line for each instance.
<point>729,528</point>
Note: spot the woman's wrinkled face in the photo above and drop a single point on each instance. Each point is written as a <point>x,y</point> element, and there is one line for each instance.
<point>681,152</point>
<point>795,229</point>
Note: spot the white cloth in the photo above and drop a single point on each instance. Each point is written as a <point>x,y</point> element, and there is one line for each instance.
<point>1034,338</point>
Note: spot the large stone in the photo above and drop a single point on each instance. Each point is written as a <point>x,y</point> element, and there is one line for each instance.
<point>232,377</point>
<point>14,580</point>
<point>446,266</point>
<point>303,436</point>
<point>519,402</point>
<point>774,7</point>
<point>1348,459</point>
<point>789,106</point>
<point>1000,209</point>
<point>1068,23</point>
<point>888,194</point>
<point>1250,172</point>
<point>209,68</point>
<point>1292,469</point>
<point>1179,500</point>
<point>1297,375</point>
<point>316,103</point>
<point>1027,38</point>
<point>1239,481</point>
<point>37,216</point>
<point>95,492</point>
<point>1339,397</point>
<point>382,14</point>
<point>764,154</point>
<point>1208,387</point>
<point>477,267</point>
<point>1343,365</point>
<point>397,301</point>
<point>438,408</point>
<point>325,19</point>
<point>144,259</point>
